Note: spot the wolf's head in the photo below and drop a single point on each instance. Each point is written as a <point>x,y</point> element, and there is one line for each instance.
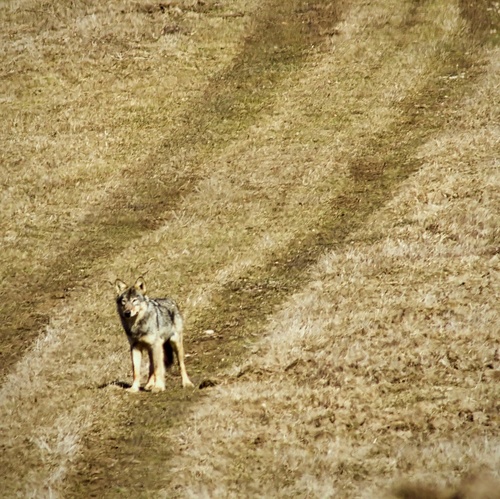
<point>130,301</point>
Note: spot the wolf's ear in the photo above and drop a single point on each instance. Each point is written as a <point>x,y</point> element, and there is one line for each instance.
<point>120,287</point>
<point>140,285</point>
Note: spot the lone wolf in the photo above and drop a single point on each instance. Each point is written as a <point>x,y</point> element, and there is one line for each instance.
<point>153,326</point>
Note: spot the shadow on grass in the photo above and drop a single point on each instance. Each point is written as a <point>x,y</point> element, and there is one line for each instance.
<point>117,383</point>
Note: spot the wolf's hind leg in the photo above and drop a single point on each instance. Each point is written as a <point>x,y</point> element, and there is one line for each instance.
<point>168,354</point>
<point>178,347</point>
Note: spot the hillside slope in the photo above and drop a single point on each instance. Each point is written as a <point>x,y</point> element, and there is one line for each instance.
<point>315,183</point>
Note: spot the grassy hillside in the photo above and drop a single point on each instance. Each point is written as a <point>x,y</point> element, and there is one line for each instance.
<point>316,183</point>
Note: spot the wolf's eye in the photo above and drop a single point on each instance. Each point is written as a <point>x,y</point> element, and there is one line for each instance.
<point>124,301</point>
<point>135,301</point>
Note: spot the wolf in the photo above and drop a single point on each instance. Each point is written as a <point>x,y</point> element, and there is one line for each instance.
<point>153,326</point>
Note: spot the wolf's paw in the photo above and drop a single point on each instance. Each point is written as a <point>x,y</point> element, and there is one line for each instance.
<point>133,389</point>
<point>186,383</point>
<point>157,388</point>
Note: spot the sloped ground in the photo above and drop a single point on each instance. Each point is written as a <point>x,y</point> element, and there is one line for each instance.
<point>316,183</point>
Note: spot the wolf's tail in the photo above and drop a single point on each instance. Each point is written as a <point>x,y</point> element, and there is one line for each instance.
<point>168,354</point>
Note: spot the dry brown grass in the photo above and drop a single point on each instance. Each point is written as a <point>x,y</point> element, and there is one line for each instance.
<point>85,87</point>
<point>135,140</point>
<point>387,365</point>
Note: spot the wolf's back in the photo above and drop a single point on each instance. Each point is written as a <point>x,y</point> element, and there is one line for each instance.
<point>169,311</point>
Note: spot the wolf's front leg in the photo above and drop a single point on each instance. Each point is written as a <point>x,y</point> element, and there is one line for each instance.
<point>158,362</point>
<point>152,378</point>
<point>136,354</point>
